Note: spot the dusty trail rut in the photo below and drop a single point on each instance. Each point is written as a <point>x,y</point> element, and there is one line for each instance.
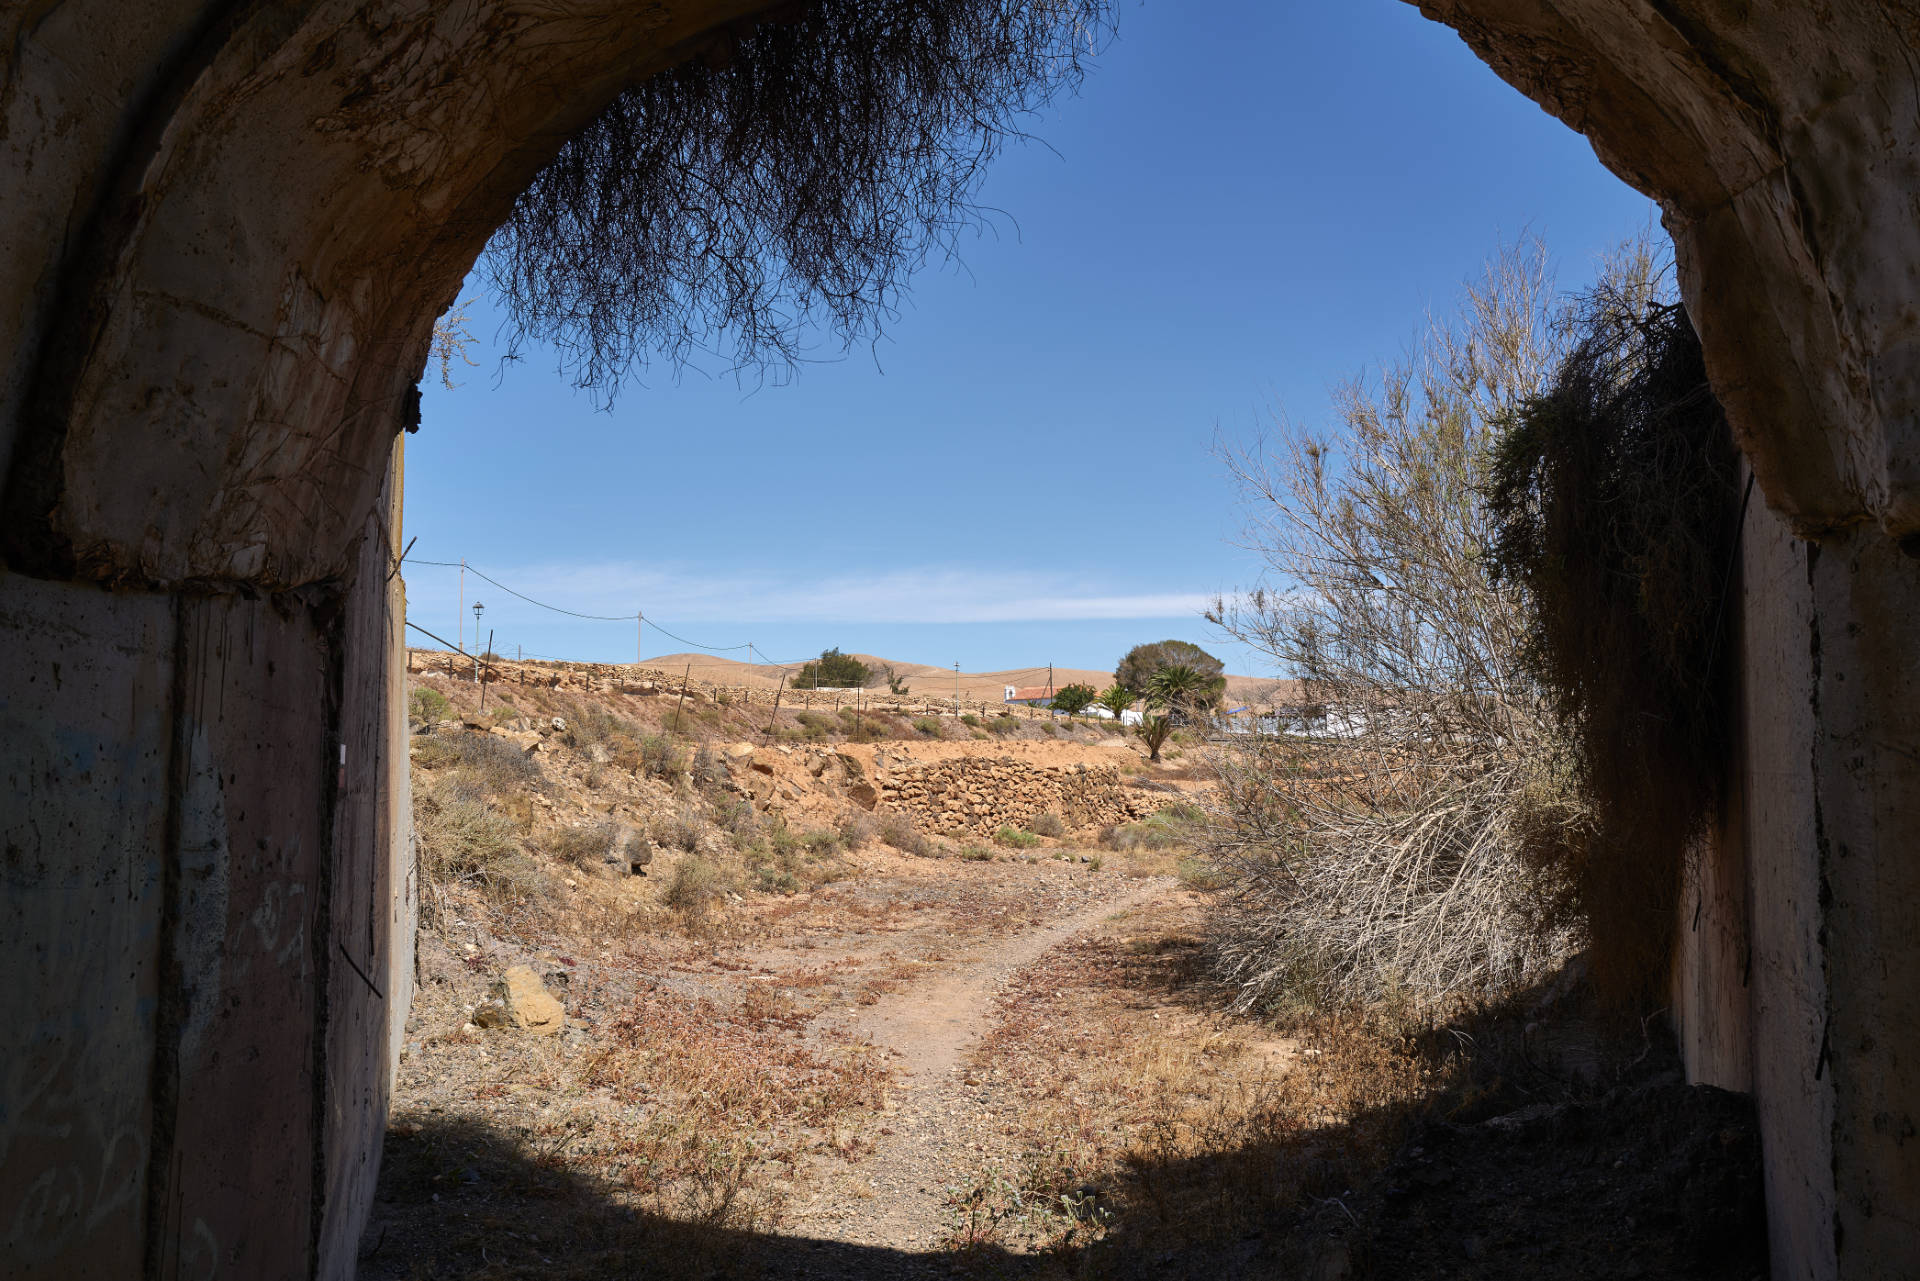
<point>895,1198</point>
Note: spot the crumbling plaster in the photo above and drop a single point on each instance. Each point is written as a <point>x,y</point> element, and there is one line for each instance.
<point>229,225</point>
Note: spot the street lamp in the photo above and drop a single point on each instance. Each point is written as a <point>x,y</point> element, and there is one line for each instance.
<point>478,609</point>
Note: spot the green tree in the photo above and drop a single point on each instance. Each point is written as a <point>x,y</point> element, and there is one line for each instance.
<point>833,670</point>
<point>1153,731</point>
<point>1144,662</point>
<point>1184,691</point>
<point>1074,698</point>
<point>1117,699</point>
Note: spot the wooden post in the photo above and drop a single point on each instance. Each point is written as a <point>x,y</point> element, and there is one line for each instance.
<point>687,676</point>
<point>776,704</point>
<point>476,667</point>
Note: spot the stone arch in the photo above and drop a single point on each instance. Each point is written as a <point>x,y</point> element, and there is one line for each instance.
<point>230,224</point>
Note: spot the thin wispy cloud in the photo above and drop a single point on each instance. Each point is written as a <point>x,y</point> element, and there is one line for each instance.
<point>942,595</point>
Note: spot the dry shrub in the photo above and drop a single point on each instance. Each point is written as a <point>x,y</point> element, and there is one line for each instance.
<point>1177,826</point>
<point>465,841</point>
<point>807,168</point>
<point>653,755</point>
<point>697,883</point>
<point>718,1106</point>
<point>1132,1129</point>
<point>857,828</point>
<point>1615,493</point>
<point>1048,823</point>
<point>898,831</point>
<point>707,769</point>
<point>677,828</point>
<point>1389,861</point>
<point>585,846</point>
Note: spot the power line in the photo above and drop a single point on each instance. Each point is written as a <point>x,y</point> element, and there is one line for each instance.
<point>592,618</point>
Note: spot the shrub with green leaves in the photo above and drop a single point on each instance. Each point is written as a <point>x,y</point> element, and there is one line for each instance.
<point>1070,699</point>
<point>428,706</point>
<point>1014,838</point>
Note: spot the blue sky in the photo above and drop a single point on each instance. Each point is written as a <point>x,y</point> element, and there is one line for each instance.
<point>1230,218</point>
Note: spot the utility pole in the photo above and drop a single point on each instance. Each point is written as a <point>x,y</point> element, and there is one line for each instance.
<point>639,637</point>
<point>460,611</point>
<point>956,689</point>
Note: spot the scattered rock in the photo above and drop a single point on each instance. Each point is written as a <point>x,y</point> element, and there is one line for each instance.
<point>520,1000</point>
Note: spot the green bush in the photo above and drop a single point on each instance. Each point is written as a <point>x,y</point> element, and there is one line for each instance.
<point>816,724</point>
<point>1074,698</point>
<point>428,706</point>
<point>930,726</point>
<point>970,721</point>
<point>1172,828</point>
<point>1014,838</point>
<point>1198,874</point>
<point>974,853</point>
<point>833,670</point>
<point>1004,724</point>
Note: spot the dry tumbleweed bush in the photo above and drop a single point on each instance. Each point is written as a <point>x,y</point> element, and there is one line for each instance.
<point>1391,849</point>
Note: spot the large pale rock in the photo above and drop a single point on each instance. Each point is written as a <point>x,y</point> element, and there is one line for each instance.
<point>521,1000</point>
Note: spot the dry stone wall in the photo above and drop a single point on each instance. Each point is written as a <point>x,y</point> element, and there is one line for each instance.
<point>635,679</point>
<point>972,796</point>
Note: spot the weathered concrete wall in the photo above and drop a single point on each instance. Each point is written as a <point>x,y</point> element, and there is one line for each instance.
<point>206,923</point>
<point>1799,951</point>
<point>229,226</point>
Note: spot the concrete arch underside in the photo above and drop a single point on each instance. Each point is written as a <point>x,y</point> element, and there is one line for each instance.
<point>229,225</point>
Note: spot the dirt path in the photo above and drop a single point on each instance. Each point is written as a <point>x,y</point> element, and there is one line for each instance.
<point>895,1198</point>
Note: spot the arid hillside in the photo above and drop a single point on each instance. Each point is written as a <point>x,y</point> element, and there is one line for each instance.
<point>713,989</point>
<point>942,682</point>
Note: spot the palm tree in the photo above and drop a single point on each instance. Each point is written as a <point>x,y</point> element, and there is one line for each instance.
<point>1180,689</point>
<point>1117,699</point>
<point>1153,731</point>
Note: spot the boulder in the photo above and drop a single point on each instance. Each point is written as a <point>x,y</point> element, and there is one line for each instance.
<point>521,1000</point>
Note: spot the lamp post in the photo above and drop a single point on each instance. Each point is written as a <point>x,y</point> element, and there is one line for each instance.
<point>478,609</point>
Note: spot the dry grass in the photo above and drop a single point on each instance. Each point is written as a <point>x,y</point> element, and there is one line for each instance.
<point>1143,1123</point>
<point>717,1105</point>
<point>584,846</point>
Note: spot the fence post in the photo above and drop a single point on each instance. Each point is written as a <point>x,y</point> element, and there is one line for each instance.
<point>776,704</point>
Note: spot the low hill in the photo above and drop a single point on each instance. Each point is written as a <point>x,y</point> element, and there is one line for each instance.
<point>924,678</point>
